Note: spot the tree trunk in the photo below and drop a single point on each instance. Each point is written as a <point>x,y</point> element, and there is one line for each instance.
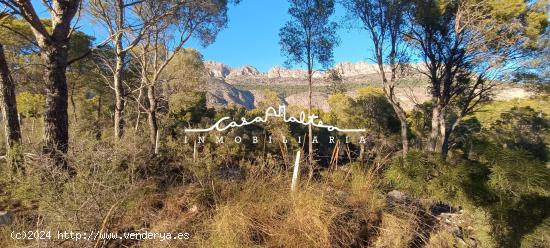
<point>404,129</point>
<point>390,96</point>
<point>434,134</point>
<point>56,121</point>
<point>402,116</point>
<point>144,82</point>
<point>445,146</point>
<point>98,120</point>
<point>120,55</point>
<point>443,133</point>
<point>119,91</point>
<point>73,103</point>
<point>309,127</point>
<point>138,118</point>
<point>54,50</point>
<point>152,114</point>
<point>12,130</point>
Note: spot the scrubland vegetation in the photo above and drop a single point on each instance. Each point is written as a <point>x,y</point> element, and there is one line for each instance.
<point>494,184</point>
<point>95,137</point>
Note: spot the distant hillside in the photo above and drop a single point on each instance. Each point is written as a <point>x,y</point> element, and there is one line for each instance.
<point>244,86</point>
<point>221,95</point>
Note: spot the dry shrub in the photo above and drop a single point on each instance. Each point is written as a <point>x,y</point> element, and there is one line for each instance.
<point>364,194</point>
<point>96,198</point>
<point>396,230</point>
<point>133,153</point>
<point>268,214</point>
<point>406,223</point>
<point>118,192</point>
<point>265,212</point>
<point>186,209</point>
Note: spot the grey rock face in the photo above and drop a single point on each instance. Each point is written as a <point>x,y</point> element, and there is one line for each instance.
<point>5,217</point>
<point>244,71</point>
<point>318,100</point>
<point>278,73</point>
<point>217,69</point>
<point>221,94</point>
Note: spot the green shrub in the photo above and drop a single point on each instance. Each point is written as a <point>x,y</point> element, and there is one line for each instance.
<point>429,176</point>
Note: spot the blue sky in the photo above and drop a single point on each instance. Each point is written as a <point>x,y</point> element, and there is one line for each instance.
<point>252,36</point>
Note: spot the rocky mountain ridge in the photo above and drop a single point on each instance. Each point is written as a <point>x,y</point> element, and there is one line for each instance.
<point>280,75</point>
<point>232,87</point>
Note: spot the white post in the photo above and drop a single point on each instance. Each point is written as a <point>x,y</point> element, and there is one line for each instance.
<point>195,151</point>
<point>295,173</point>
<point>157,143</point>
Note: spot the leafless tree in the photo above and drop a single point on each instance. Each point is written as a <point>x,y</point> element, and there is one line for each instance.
<point>202,19</point>
<point>384,21</point>
<point>121,20</point>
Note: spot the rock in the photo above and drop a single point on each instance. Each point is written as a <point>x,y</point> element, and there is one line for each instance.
<point>318,100</point>
<point>259,95</point>
<point>5,217</point>
<point>462,242</point>
<point>472,242</point>
<point>354,73</point>
<point>230,173</point>
<point>442,208</point>
<point>397,196</point>
<point>456,231</point>
<point>244,71</point>
<point>217,69</point>
<point>349,69</point>
<point>220,94</point>
<point>278,72</point>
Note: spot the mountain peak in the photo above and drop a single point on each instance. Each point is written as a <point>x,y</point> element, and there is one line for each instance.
<point>347,69</point>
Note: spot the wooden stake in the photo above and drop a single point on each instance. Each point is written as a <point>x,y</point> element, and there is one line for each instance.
<point>157,143</point>
<point>195,151</point>
<point>295,173</point>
